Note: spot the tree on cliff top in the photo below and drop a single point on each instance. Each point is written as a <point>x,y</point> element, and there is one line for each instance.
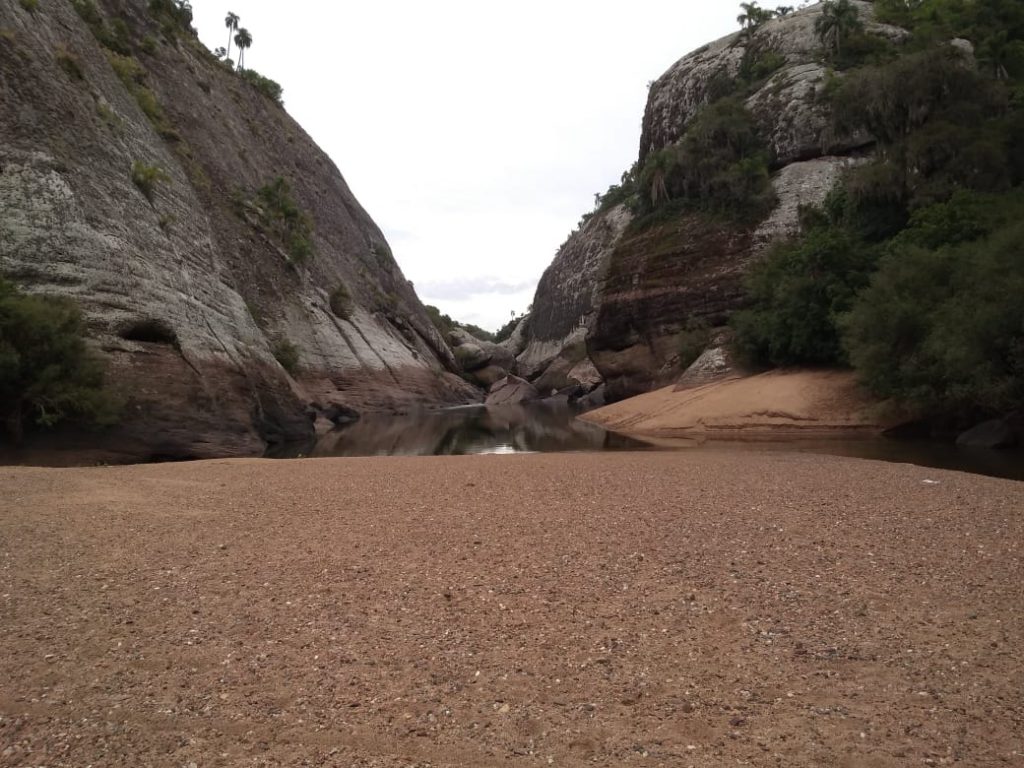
<point>839,19</point>
<point>231,22</point>
<point>47,372</point>
<point>243,40</point>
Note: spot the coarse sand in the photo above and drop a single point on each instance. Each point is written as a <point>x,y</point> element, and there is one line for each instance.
<point>701,608</point>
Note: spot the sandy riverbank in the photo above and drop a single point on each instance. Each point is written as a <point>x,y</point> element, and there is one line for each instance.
<point>772,405</point>
<point>656,609</point>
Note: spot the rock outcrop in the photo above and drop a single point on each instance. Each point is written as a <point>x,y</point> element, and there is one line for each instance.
<point>482,362</point>
<point>552,340</point>
<point>185,293</point>
<point>793,121</point>
<point>622,297</point>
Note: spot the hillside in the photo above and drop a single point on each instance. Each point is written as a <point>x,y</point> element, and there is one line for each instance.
<point>231,281</point>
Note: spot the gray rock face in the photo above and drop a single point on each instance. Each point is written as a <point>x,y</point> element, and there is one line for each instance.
<point>73,223</point>
<point>565,301</point>
<point>792,120</point>
<point>799,184</point>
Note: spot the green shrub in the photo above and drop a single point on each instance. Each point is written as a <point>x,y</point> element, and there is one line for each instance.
<point>720,165</point>
<point>693,340</point>
<point>70,64</point>
<point>442,322</point>
<point>47,373</point>
<point>941,330</point>
<point>797,294</point>
<point>287,355</point>
<point>341,302</point>
<point>506,331</point>
<point>146,177</point>
<point>264,85</point>
<point>29,5</point>
<point>278,212</point>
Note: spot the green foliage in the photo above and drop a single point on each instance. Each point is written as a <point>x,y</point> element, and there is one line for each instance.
<point>797,294</point>
<point>47,373</point>
<point>264,85</point>
<point>693,340</point>
<point>278,212</point>
<point>287,355</point>
<point>133,76</point>
<point>115,37</point>
<point>477,331</point>
<point>912,271</point>
<point>29,5</point>
<point>720,165</point>
<point>838,22</point>
<point>506,331</point>
<point>174,17</point>
<point>753,16</point>
<point>442,322</point>
<point>146,177</point>
<point>70,63</point>
<point>941,330</point>
<point>341,302</point>
<point>756,66</point>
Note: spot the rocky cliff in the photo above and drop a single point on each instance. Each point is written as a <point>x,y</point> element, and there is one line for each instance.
<point>631,293</point>
<point>130,167</point>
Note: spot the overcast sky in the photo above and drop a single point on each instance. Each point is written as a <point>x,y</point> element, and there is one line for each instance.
<point>474,133</point>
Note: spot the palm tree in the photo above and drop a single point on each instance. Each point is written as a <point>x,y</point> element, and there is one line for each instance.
<point>243,40</point>
<point>839,18</point>
<point>753,16</point>
<point>231,22</point>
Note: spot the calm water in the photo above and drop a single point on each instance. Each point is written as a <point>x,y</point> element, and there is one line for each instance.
<point>475,429</point>
<point>546,428</point>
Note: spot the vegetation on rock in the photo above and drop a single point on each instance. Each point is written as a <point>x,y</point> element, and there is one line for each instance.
<point>287,355</point>
<point>146,177</point>
<point>47,373</point>
<point>912,271</point>
<point>276,211</point>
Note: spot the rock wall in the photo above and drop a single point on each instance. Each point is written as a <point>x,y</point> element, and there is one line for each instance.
<point>221,292</point>
<point>633,296</point>
<point>551,343</point>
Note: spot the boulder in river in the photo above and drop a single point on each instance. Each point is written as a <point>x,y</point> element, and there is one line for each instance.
<point>512,390</point>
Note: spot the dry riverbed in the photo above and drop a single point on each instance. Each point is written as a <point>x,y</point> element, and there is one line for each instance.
<point>656,609</point>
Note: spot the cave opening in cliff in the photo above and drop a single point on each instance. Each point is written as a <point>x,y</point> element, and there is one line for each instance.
<point>150,331</point>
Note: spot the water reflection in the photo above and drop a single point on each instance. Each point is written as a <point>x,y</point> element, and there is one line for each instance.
<point>468,430</point>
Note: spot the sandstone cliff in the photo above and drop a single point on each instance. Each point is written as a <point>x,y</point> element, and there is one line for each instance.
<point>188,294</point>
<point>630,293</point>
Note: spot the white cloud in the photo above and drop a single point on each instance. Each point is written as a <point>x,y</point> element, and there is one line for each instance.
<point>475,133</point>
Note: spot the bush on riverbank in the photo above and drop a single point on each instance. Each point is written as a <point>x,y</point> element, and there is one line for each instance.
<point>47,373</point>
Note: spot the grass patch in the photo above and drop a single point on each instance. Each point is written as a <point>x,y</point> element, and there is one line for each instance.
<point>133,76</point>
<point>29,5</point>
<point>70,63</point>
<point>146,177</point>
<point>287,355</point>
<point>278,214</point>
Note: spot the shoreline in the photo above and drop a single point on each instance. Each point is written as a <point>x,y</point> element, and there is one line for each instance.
<point>707,607</point>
